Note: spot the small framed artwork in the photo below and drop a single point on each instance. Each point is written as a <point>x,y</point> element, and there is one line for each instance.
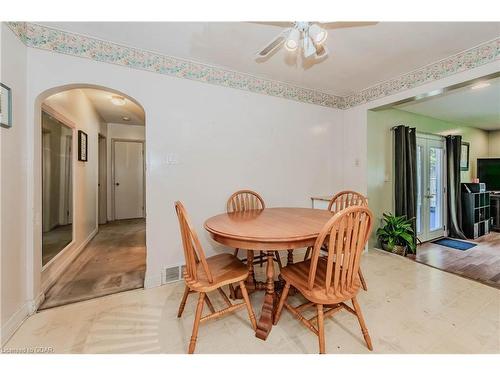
<point>5,106</point>
<point>82,146</point>
<point>464,156</point>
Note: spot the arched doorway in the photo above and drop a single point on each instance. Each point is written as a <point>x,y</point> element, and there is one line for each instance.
<point>90,192</point>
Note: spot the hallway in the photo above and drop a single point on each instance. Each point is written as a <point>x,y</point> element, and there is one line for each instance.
<point>114,261</point>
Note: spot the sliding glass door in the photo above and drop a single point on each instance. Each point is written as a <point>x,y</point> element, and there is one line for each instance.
<point>431,187</point>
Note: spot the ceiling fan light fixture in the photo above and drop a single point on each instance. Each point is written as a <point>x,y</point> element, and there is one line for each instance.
<point>321,52</point>
<point>309,48</point>
<point>292,42</point>
<point>318,34</point>
<point>118,100</point>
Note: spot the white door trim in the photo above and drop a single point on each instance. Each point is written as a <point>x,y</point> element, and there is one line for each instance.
<point>143,142</point>
<point>426,234</point>
<point>102,190</point>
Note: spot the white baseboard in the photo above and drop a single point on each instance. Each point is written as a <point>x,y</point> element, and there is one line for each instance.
<point>14,322</point>
<point>54,272</point>
<point>34,304</point>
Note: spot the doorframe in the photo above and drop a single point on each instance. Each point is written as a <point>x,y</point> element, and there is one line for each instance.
<point>101,137</point>
<point>113,141</point>
<point>437,137</point>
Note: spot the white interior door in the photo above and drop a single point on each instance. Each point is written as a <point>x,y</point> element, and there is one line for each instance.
<point>431,188</point>
<point>128,179</point>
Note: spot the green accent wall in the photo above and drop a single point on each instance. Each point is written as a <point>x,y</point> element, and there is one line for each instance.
<point>380,152</point>
<point>494,144</point>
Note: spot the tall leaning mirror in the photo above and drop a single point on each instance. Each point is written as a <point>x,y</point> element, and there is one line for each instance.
<point>57,187</point>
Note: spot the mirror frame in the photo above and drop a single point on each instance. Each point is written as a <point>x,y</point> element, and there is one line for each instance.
<point>70,124</point>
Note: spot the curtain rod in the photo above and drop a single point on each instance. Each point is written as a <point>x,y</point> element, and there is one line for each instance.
<point>426,133</point>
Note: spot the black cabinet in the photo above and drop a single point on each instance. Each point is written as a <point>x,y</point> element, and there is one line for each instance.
<point>495,211</point>
<point>476,211</point>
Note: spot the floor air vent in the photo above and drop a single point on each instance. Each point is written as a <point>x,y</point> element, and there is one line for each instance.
<point>172,274</point>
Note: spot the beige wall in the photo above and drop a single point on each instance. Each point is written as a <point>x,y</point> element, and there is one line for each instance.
<point>380,152</point>
<point>15,213</point>
<point>494,144</point>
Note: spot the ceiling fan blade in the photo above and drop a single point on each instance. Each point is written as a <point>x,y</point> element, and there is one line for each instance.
<point>342,25</point>
<point>275,23</point>
<point>274,44</point>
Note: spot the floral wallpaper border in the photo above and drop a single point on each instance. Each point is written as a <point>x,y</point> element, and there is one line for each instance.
<point>469,59</point>
<point>45,38</point>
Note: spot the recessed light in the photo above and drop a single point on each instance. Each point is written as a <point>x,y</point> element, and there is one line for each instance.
<point>125,118</point>
<point>480,85</point>
<point>118,100</point>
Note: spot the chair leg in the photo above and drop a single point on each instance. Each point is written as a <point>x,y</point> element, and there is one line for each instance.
<point>284,295</point>
<point>209,304</point>
<point>251,315</point>
<point>308,252</point>
<point>362,323</point>
<point>197,317</point>
<point>363,282</point>
<point>183,301</point>
<point>236,252</point>
<point>321,329</point>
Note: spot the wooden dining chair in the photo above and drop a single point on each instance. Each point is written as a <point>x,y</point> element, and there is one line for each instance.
<point>204,275</point>
<point>339,202</point>
<point>330,281</point>
<point>245,200</point>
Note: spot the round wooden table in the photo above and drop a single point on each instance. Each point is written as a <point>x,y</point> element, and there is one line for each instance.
<point>269,229</point>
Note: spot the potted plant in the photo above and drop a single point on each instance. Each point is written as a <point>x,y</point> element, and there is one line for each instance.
<point>397,235</point>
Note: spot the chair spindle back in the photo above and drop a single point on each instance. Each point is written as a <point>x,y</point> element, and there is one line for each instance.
<point>244,200</point>
<point>193,252</point>
<point>347,233</point>
<point>345,199</point>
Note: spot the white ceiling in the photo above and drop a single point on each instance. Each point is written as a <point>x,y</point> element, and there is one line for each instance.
<point>359,57</point>
<point>478,108</point>
<point>110,113</point>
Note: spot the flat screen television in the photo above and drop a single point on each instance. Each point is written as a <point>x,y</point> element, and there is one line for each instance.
<point>488,171</point>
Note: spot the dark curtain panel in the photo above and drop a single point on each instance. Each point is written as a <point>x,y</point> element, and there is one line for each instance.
<point>453,151</point>
<point>405,172</point>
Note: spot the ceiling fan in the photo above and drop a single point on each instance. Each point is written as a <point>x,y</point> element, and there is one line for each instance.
<point>310,37</point>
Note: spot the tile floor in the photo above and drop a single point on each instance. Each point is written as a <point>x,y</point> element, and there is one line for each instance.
<point>409,308</point>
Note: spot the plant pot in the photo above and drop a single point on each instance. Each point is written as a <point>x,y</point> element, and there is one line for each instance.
<point>400,250</point>
<point>397,249</point>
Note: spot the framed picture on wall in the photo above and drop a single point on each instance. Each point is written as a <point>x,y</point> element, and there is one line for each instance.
<point>464,157</point>
<point>5,106</point>
<point>82,146</point>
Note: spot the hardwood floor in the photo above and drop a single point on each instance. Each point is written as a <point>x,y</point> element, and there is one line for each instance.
<point>480,263</point>
<point>114,261</point>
